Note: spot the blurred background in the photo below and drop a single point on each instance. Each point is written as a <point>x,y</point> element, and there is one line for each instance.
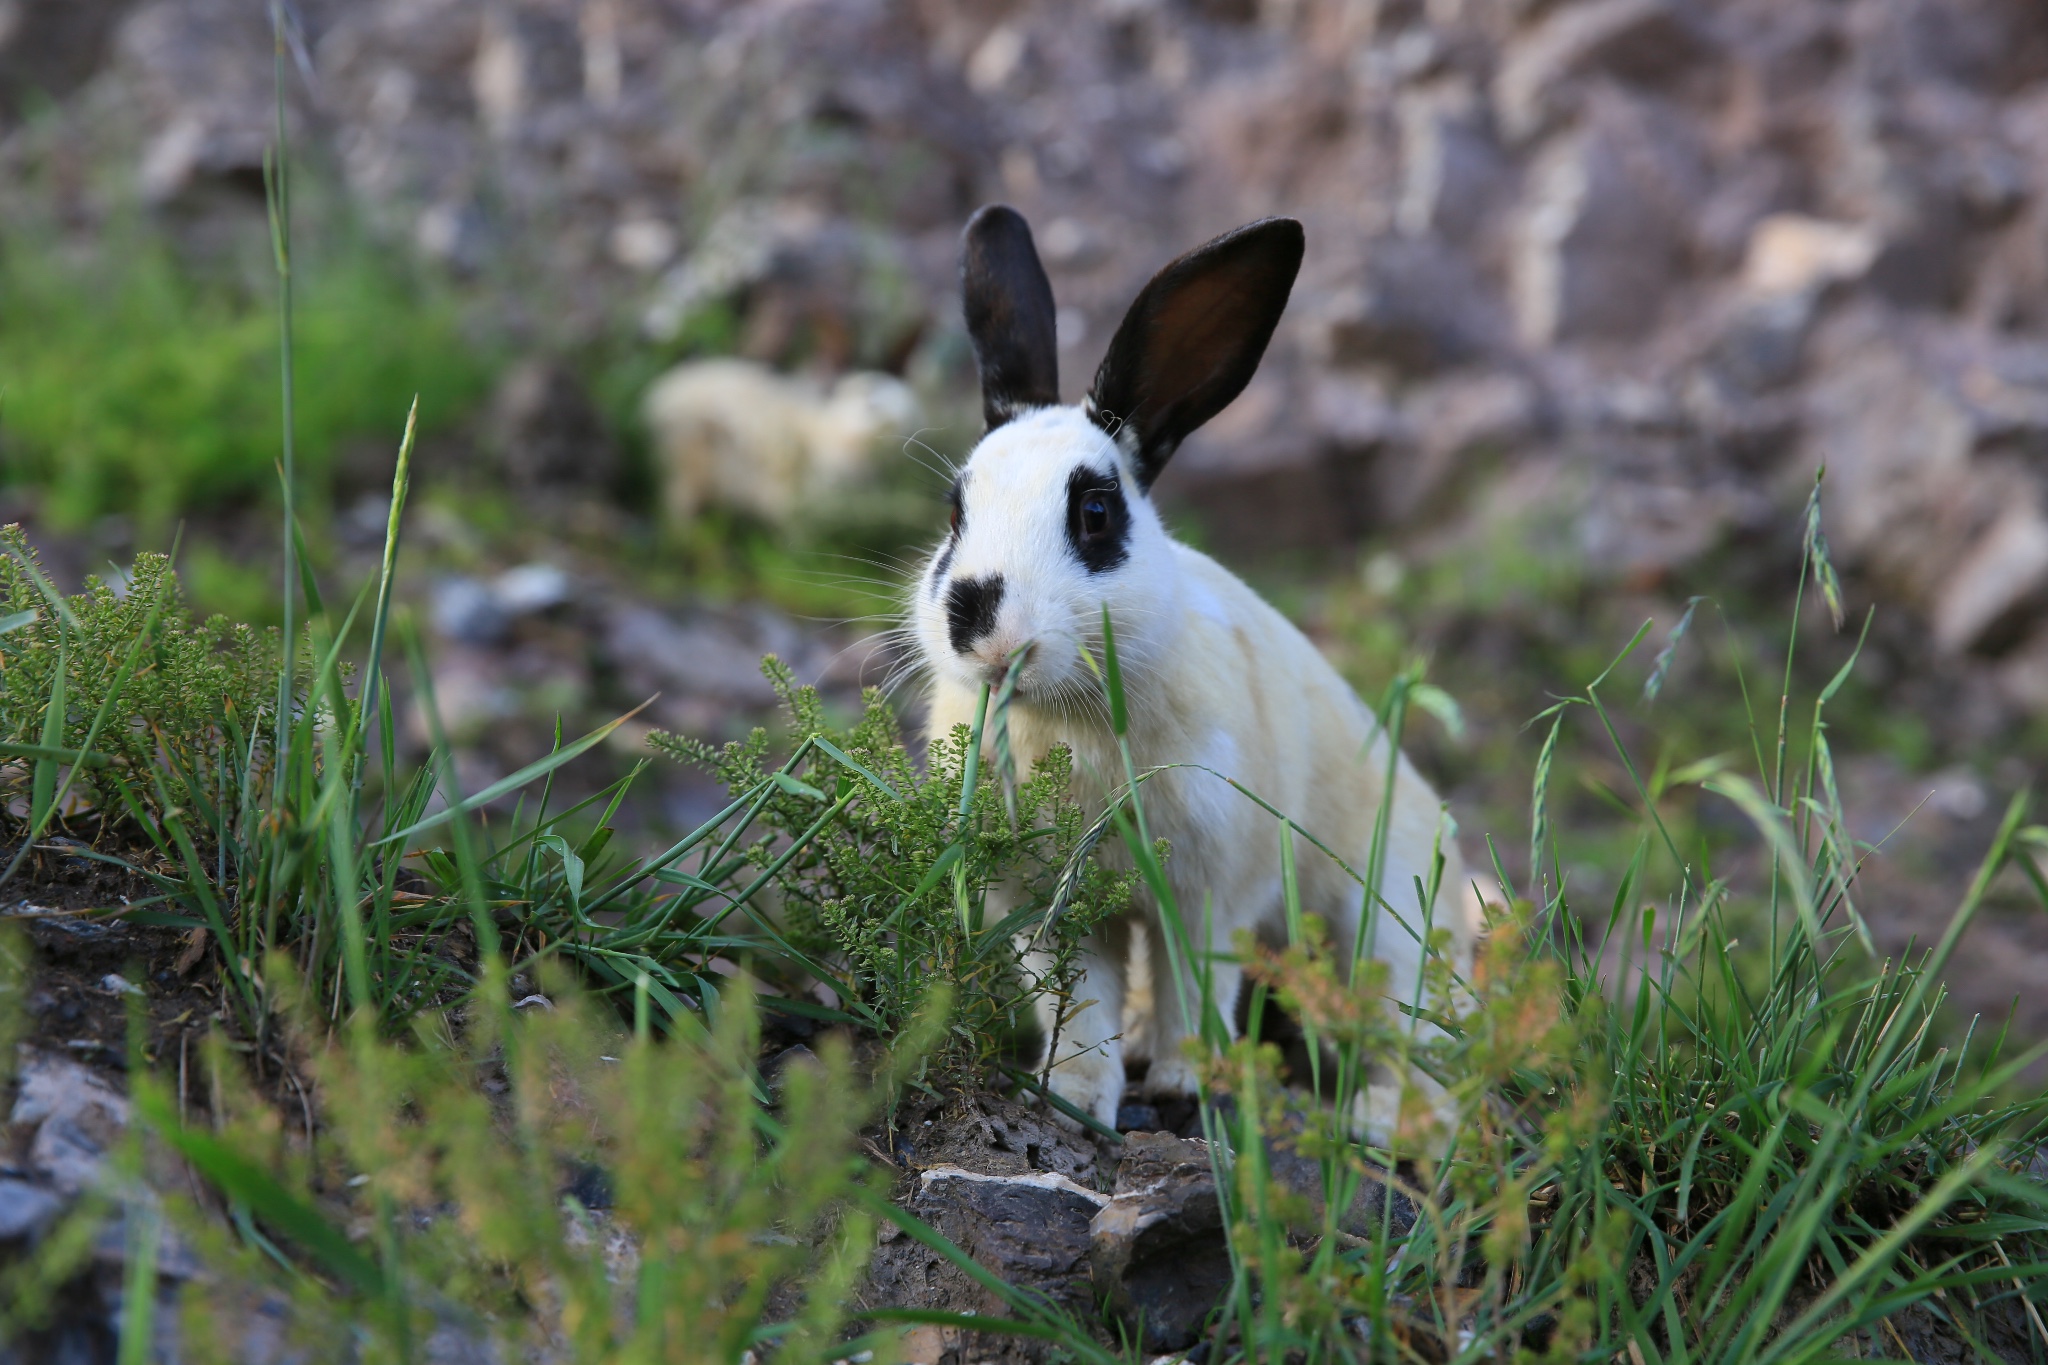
<point>1593,289</point>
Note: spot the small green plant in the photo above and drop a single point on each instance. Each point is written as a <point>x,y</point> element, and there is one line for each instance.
<point>130,681</point>
<point>540,1180</point>
<point>917,880</point>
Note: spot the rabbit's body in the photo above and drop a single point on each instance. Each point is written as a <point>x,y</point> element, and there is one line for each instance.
<point>1052,522</point>
<point>1229,685</point>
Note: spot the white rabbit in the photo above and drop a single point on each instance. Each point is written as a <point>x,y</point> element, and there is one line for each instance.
<point>1051,519</point>
<point>737,434</point>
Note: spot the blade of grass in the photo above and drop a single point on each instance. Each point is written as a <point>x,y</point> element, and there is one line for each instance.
<point>387,572</point>
<point>243,1181</point>
<point>532,772</point>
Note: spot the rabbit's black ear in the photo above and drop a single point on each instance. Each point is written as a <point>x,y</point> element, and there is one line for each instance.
<point>1009,315</point>
<point>1192,339</point>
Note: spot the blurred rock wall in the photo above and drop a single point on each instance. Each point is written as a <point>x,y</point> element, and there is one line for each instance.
<point>1667,256</point>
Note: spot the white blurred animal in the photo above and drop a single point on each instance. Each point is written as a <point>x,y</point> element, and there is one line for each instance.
<point>733,433</point>
<point>1052,518</point>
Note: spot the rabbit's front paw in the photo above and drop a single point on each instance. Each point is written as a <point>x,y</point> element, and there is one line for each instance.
<point>1172,1077</point>
<point>1092,1082</point>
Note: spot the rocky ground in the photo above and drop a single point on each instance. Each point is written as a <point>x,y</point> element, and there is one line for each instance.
<point>1691,249</point>
<point>1132,1229</point>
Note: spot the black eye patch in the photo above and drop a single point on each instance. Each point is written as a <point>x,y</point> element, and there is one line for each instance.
<point>1098,520</point>
<point>956,518</point>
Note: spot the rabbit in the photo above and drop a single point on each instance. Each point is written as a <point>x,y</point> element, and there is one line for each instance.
<point>737,434</point>
<point>1052,518</point>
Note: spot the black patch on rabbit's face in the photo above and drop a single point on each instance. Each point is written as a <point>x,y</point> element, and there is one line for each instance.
<point>1098,520</point>
<point>971,605</point>
<point>958,519</point>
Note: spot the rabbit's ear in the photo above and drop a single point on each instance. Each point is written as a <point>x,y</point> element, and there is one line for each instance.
<point>1009,315</point>
<point>1192,339</point>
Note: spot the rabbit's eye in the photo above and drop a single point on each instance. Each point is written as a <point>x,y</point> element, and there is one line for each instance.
<point>1094,516</point>
<point>1097,520</point>
<point>953,508</point>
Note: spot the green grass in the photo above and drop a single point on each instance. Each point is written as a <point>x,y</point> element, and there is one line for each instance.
<point>884,869</point>
<point>680,1144</point>
<point>1710,1127</point>
<point>131,384</point>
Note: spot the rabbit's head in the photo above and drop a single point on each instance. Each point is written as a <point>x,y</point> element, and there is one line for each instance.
<point>1052,515</point>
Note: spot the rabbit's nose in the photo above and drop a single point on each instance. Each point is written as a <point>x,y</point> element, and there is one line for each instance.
<point>971,608</point>
<point>996,655</point>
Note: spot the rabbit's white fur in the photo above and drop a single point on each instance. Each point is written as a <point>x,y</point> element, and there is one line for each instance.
<point>1213,676</point>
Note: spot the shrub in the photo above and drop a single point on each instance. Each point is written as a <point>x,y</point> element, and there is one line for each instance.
<point>538,1184</point>
<point>174,702</point>
<point>896,881</point>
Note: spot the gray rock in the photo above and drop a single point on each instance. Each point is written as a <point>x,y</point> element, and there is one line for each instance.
<point>1152,1250</point>
<point>1601,235</point>
<point>1415,308</point>
<point>1763,342</point>
<point>1302,1176</point>
<point>985,1164</point>
<point>1573,193</point>
<point>202,70</point>
<point>47,50</point>
<point>26,1210</point>
<point>75,1119</point>
<point>795,275</point>
<point>1158,1258</point>
<point>530,589</point>
<point>1451,420</point>
<point>547,432</point>
<point>1136,1116</point>
<point>1030,1228</point>
<point>992,1135</point>
<point>1635,40</point>
<point>1452,172</point>
<point>697,659</point>
<point>1922,493</point>
<point>775,1070</point>
<point>467,611</point>
<point>1033,1230</point>
<point>471,611</point>
<point>177,1260</point>
<point>2005,568</point>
